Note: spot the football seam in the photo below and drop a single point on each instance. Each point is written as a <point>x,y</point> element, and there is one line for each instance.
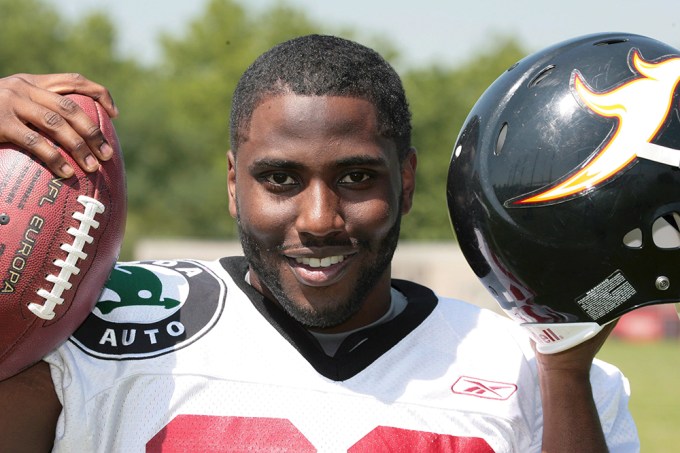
<point>68,267</point>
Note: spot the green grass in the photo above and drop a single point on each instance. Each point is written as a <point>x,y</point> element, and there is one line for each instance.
<point>653,370</point>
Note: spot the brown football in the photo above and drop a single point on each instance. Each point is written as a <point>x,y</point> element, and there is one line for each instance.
<point>59,241</point>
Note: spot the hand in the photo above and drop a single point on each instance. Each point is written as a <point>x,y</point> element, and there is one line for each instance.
<point>570,418</point>
<point>35,102</point>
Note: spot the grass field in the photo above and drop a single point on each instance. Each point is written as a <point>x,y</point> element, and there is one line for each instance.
<point>653,370</point>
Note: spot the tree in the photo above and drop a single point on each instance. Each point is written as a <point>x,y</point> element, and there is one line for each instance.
<point>440,99</point>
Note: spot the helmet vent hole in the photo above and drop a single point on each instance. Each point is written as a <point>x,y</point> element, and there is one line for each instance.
<point>545,72</point>
<point>500,141</point>
<point>607,42</point>
<point>633,239</point>
<point>666,231</point>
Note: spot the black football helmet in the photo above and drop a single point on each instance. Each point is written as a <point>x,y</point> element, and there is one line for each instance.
<point>564,185</point>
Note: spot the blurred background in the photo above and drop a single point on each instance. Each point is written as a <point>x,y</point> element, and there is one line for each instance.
<point>171,66</point>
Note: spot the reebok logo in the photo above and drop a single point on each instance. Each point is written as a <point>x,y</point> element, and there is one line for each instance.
<point>482,388</point>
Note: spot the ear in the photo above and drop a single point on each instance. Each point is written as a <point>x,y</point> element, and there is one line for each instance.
<point>231,182</point>
<point>408,179</point>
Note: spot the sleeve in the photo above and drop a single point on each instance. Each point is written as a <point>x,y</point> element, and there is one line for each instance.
<point>57,370</point>
<point>611,392</point>
<point>67,380</point>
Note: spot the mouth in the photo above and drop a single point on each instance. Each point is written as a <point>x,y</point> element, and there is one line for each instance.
<point>319,271</point>
<point>320,262</point>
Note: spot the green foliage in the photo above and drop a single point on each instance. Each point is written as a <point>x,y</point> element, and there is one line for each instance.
<point>36,39</point>
<point>174,113</point>
<point>440,99</point>
<point>29,33</point>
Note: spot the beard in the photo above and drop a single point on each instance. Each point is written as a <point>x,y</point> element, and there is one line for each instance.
<point>331,314</point>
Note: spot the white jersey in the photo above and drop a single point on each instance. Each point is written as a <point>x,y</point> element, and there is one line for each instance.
<point>186,356</point>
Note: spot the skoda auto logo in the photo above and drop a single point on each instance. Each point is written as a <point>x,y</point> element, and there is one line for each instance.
<point>150,308</point>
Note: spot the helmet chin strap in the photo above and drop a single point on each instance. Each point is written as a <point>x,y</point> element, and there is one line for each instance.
<point>658,153</point>
<point>552,338</point>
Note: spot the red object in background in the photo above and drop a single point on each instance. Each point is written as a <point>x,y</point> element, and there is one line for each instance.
<point>651,323</point>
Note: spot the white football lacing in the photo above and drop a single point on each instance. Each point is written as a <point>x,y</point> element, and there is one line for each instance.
<point>75,252</point>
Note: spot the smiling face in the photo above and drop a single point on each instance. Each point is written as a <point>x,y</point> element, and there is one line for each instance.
<point>318,194</point>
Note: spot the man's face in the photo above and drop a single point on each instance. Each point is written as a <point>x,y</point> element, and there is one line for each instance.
<point>318,195</point>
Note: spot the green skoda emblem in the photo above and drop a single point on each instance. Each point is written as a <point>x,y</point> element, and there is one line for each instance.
<point>150,308</point>
<point>135,285</point>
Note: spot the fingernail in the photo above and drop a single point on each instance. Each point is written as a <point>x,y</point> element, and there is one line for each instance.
<point>106,150</point>
<point>91,162</point>
<point>66,170</point>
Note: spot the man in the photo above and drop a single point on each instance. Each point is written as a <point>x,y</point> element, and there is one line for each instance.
<point>307,344</point>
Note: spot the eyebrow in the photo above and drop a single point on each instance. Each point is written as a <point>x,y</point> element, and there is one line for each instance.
<point>275,163</point>
<point>359,160</point>
<point>365,160</point>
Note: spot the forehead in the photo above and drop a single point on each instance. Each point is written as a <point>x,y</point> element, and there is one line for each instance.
<point>317,112</point>
<point>295,123</point>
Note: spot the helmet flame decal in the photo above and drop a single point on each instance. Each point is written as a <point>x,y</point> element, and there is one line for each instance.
<point>641,107</point>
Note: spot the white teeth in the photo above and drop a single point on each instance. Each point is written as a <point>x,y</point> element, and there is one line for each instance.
<point>321,262</point>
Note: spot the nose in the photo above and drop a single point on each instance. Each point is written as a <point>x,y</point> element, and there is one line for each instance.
<point>319,210</point>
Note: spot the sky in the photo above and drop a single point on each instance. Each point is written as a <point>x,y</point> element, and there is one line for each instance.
<point>447,32</point>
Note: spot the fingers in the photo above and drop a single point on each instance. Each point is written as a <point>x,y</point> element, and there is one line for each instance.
<point>75,83</point>
<point>34,143</point>
<point>30,103</point>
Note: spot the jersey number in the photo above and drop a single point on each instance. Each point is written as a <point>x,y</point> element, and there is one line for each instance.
<point>218,434</point>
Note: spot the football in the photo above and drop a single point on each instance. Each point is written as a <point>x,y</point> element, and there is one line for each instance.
<point>59,241</point>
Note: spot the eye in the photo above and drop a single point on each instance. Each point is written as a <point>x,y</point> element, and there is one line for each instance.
<point>355,177</point>
<point>280,179</point>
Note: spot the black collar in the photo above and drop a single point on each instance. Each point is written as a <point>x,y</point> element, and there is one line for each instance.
<point>358,350</point>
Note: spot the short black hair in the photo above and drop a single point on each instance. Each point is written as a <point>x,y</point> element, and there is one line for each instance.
<point>322,65</point>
